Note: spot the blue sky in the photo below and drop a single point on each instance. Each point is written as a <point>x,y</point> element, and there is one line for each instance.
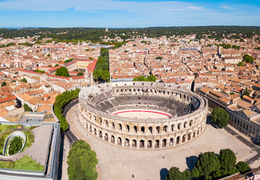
<point>126,13</point>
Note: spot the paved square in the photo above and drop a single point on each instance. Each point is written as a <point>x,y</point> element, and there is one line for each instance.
<point>116,163</point>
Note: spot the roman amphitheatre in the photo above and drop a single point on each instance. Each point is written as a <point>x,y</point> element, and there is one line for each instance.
<point>142,115</point>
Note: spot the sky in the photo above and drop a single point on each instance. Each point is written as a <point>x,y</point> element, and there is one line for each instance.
<point>127,13</point>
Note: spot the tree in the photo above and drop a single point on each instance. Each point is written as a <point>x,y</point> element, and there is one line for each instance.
<point>3,84</point>
<point>159,57</point>
<point>105,75</point>
<point>56,65</point>
<point>207,163</point>
<point>82,162</point>
<point>248,59</point>
<point>186,175</point>
<point>62,71</point>
<point>174,174</point>
<point>246,92</point>
<point>26,107</point>
<point>80,74</point>
<point>151,78</point>
<point>242,167</point>
<point>227,158</point>
<point>240,64</point>
<point>220,116</point>
<point>195,173</point>
<point>13,81</point>
<point>24,80</point>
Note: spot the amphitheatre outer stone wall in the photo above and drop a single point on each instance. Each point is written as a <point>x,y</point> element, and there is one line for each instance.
<point>141,133</point>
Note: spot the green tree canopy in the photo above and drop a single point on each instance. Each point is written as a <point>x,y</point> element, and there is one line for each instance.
<point>26,107</point>
<point>56,65</point>
<point>240,64</point>
<point>227,158</point>
<point>174,174</point>
<point>80,74</point>
<point>150,78</point>
<point>207,163</point>
<point>62,71</point>
<point>248,59</point>
<point>220,116</point>
<point>3,84</point>
<point>186,175</point>
<point>24,80</point>
<point>242,167</point>
<point>82,162</point>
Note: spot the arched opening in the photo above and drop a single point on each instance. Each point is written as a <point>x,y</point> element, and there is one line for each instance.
<point>100,134</point>
<point>191,122</point>
<point>164,142</point>
<point>112,139</point>
<point>120,127</point>
<point>157,143</point>
<point>106,123</point>
<point>189,136</point>
<point>135,129</point>
<point>194,134</point>
<point>183,138</point>
<point>151,129</point>
<point>142,129</point>
<point>126,142</point>
<point>106,137</point>
<point>113,125</point>
<point>127,128</point>
<point>179,126</point>
<point>165,129</point>
<point>86,126</point>
<point>134,144</point>
<point>172,127</point>
<point>158,129</point>
<point>119,141</point>
<point>185,124</point>
<point>95,131</point>
<point>198,131</point>
<point>100,121</point>
<point>150,144</point>
<point>142,144</point>
<point>178,140</point>
<point>171,142</point>
<point>90,128</point>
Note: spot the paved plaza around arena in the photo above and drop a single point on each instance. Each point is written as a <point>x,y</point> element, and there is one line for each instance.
<point>117,163</point>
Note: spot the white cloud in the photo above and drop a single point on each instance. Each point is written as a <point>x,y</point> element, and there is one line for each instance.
<point>227,7</point>
<point>196,8</point>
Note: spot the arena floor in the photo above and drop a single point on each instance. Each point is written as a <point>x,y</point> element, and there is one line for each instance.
<point>142,114</point>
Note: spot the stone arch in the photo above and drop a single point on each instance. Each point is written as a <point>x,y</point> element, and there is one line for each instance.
<point>183,137</point>
<point>86,125</point>
<point>165,128</point>
<point>90,128</point>
<point>95,131</point>
<point>112,139</point>
<point>178,140</point>
<point>119,141</point>
<point>194,133</point>
<point>158,129</point>
<point>185,124</point>
<point>172,127</point>
<point>164,142</point>
<point>143,129</point>
<point>150,144</point>
<point>157,143</point>
<point>112,125</point>
<point>142,143</point>
<point>191,122</point>
<point>126,142</point>
<point>106,137</point>
<point>151,129</point>
<point>127,128</point>
<point>100,134</point>
<point>189,136</point>
<point>134,143</point>
<point>106,123</point>
<point>135,129</point>
<point>120,126</point>
<point>171,142</point>
<point>179,126</point>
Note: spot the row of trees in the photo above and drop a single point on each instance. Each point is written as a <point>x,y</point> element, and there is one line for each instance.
<point>39,71</point>
<point>61,101</point>
<point>101,71</point>
<point>211,166</point>
<point>150,78</point>
<point>82,162</point>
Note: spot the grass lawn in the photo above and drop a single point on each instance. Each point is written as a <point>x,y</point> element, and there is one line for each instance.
<point>30,138</point>
<point>31,128</point>
<point>25,163</point>
<point>4,127</point>
<point>2,140</point>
